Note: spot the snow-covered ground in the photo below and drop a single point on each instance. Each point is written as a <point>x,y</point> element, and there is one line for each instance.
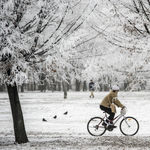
<point>70,131</point>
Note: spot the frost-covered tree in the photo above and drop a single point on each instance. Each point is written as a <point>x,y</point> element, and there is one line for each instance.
<point>104,58</point>
<point>134,41</point>
<point>38,39</point>
<point>125,27</point>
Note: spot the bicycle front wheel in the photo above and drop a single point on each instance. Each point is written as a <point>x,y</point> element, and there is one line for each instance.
<point>129,126</point>
<point>95,127</point>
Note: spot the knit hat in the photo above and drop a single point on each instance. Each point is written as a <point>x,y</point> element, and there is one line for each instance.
<point>115,88</point>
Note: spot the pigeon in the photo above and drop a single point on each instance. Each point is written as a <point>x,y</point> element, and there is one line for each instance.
<point>55,117</point>
<point>66,113</point>
<point>44,120</point>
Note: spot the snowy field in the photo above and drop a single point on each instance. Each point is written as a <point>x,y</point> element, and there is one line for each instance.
<point>68,132</point>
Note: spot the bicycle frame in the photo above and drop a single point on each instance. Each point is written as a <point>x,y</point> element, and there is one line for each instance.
<point>119,116</point>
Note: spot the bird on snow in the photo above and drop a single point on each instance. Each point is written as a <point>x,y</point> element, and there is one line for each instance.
<point>55,117</point>
<point>66,113</point>
<point>44,120</point>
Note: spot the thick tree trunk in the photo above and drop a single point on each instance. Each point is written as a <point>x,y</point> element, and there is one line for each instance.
<point>18,121</point>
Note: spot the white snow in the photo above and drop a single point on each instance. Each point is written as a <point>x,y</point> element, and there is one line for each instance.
<point>70,131</point>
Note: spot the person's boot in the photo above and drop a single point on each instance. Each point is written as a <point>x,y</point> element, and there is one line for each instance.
<point>104,124</point>
<point>111,126</point>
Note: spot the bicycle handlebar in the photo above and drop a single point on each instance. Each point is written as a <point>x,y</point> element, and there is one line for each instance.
<point>123,110</point>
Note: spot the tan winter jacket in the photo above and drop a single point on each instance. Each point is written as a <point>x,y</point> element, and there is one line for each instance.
<point>111,98</point>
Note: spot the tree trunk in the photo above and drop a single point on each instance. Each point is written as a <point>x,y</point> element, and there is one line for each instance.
<point>43,86</point>
<point>65,89</point>
<point>68,86</point>
<point>84,86</point>
<point>22,87</point>
<point>18,121</point>
<point>100,87</point>
<point>54,85</point>
<point>126,85</point>
<point>106,87</point>
<point>34,86</point>
<point>77,85</point>
<point>59,86</point>
<point>2,88</point>
<point>28,87</point>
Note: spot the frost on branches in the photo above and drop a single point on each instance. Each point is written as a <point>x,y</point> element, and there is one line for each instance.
<point>124,58</point>
<point>37,41</point>
<point>39,37</point>
<point>135,39</point>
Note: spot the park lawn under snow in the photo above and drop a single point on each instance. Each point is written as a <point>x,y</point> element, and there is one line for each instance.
<point>70,131</point>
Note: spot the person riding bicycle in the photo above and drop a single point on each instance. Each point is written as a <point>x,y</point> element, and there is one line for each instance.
<point>108,105</point>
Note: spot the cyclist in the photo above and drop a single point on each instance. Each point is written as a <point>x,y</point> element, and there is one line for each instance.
<point>106,103</point>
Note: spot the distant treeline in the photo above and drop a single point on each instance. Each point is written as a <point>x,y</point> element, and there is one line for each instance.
<point>71,86</point>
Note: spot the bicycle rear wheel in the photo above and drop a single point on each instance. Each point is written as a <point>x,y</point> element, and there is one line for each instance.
<point>95,127</point>
<point>129,126</point>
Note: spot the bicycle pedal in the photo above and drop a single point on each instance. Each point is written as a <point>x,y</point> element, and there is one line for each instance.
<point>110,129</point>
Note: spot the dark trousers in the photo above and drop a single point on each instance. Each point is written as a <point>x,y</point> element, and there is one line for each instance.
<point>108,110</point>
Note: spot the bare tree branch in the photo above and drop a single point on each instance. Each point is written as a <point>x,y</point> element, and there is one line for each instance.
<point>142,5</point>
<point>135,27</point>
<point>146,28</point>
<point>135,6</point>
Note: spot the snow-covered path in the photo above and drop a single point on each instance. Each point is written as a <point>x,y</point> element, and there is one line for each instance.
<point>70,131</point>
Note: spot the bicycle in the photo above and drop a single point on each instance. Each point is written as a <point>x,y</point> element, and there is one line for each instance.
<point>129,126</point>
